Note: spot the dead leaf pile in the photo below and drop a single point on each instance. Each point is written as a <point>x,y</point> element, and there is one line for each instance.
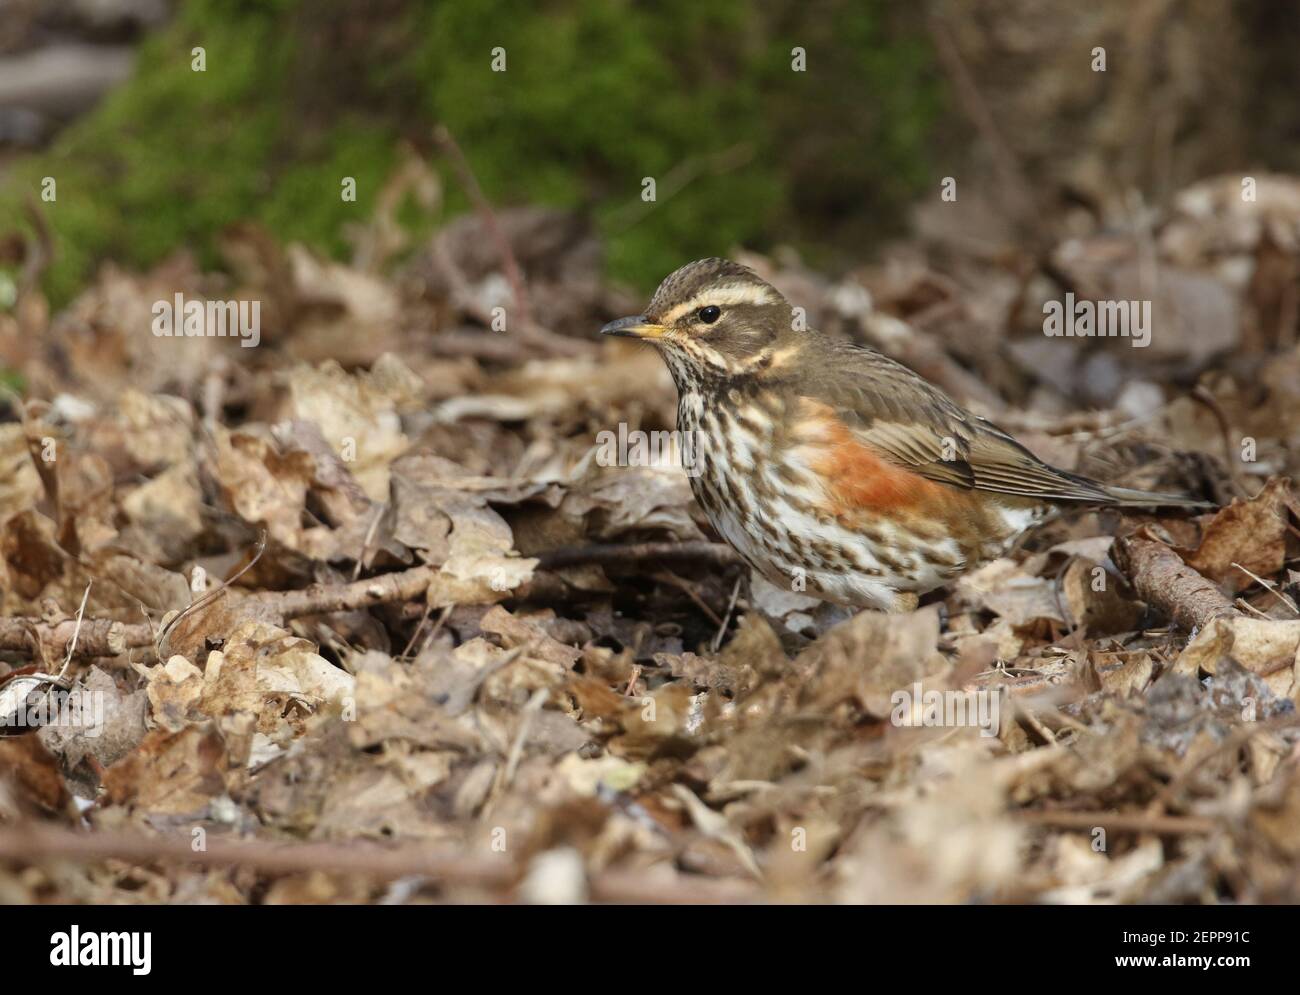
<point>371,583</point>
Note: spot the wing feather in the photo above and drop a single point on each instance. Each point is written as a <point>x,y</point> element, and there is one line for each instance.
<point>913,424</point>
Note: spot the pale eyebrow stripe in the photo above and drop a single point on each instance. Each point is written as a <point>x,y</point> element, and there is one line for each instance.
<point>734,293</point>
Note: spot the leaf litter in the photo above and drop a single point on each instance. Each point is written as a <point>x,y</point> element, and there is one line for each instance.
<point>490,668</point>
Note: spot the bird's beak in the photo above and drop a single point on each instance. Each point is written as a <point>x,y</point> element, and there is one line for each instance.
<point>635,327</point>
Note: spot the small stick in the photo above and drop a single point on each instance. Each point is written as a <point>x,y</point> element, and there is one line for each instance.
<point>1012,177</point>
<point>1270,587</point>
<point>1160,577</point>
<point>72,643</point>
<point>631,684</point>
<point>1202,396</point>
<point>526,716</point>
<point>704,552</point>
<point>1124,822</point>
<point>668,577</point>
<point>443,138</point>
<point>35,841</point>
<point>731,606</point>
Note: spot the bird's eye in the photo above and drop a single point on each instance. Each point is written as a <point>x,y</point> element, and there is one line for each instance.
<point>709,314</point>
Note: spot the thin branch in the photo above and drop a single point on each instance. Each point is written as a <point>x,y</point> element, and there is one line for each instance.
<point>702,552</point>
<point>1013,180</point>
<point>33,842</point>
<point>668,577</point>
<point>321,599</point>
<point>41,252</point>
<point>72,644</point>
<point>99,637</point>
<point>1123,822</point>
<point>1161,578</point>
<point>509,264</point>
<point>40,841</point>
<point>1271,588</point>
<point>677,179</point>
<point>104,637</point>
<point>1202,396</point>
<point>731,606</point>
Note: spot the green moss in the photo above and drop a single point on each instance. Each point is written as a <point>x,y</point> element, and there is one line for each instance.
<point>597,95</point>
<point>353,149</point>
<point>12,379</point>
<point>173,155</point>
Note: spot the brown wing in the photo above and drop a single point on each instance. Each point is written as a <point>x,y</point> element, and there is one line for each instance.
<point>913,424</point>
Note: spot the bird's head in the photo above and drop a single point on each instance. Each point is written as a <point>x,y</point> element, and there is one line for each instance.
<point>711,319</point>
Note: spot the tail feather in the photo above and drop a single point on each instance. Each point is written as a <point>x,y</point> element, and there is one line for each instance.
<point>1126,497</point>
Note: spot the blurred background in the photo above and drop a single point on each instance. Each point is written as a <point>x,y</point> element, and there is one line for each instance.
<point>834,161</point>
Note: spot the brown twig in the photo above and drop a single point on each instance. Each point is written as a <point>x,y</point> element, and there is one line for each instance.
<point>1231,457</point>
<point>495,347</point>
<point>1269,586</point>
<point>1123,822</point>
<point>476,345</point>
<point>99,637</point>
<point>702,552</point>
<point>668,577</point>
<point>677,179</point>
<point>731,606</point>
<point>321,599</point>
<point>529,333</point>
<point>1015,185</point>
<point>509,264</point>
<point>1161,578</point>
<point>36,842</point>
<point>41,252</point>
<point>104,637</point>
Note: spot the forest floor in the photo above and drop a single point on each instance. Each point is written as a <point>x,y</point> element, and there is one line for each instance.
<point>363,615</point>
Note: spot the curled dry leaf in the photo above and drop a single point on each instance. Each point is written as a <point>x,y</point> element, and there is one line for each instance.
<point>358,416</point>
<point>262,486</point>
<point>1003,587</point>
<point>104,722</point>
<point>444,514</point>
<point>1269,649</point>
<point>1249,533</point>
<point>870,657</point>
<point>263,668</point>
<point>170,773</point>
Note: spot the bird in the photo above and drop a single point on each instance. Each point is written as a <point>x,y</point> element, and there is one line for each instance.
<point>830,468</point>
